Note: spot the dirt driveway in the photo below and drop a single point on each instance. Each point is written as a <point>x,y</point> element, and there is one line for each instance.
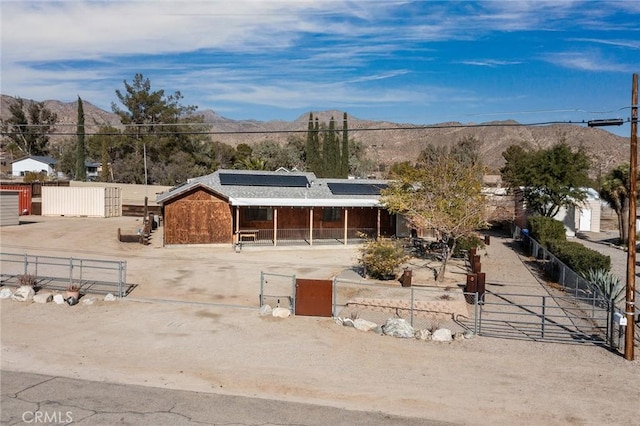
<point>201,332</point>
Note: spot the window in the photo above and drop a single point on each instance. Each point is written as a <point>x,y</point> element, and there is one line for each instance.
<point>258,213</point>
<point>331,214</point>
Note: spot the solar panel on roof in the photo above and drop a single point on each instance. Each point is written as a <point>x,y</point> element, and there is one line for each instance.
<point>348,188</point>
<point>256,179</point>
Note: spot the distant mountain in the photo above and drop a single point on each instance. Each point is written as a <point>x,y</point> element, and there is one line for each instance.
<point>385,142</point>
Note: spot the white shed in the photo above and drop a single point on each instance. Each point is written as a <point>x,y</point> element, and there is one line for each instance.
<point>81,201</point>
<point>585,217</point>
<point>33,163</point>
<point>9,208</point>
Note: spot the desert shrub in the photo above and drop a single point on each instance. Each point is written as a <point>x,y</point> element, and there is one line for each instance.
<point>545,229</point>
<point>578,257</point>
<point>610,285</point>
<point>380,258</point>
<point>35,177</point>
<point>27,280</point>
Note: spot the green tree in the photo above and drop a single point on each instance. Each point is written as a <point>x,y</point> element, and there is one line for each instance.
<point>330,152</point>
<point>81,154</point>
<point>446,198</point>
<point>615,190</point>
<point>163,127</point>
<point>550,178</point>
<point>28,128</point>
<point>345,153</point>
<point>312,147</point>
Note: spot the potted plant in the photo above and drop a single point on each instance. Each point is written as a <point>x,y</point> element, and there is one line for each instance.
<point>73,290</point>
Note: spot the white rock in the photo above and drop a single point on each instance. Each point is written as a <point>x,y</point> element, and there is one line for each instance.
<point>43,297</point>
<point>58,299</point>
<point>442,335</point>
<point>5,293</point>
<point>265,310</point>
<point>23,294</point>
<point>88,300</point>
<point>468,334</point>
<point>281,312</point>
<point>422,334</point>
<point>458,335</point>
<point>338,320</point>
<point>109,298</point>
<point>348,322</point>
<point>398,327</point>
<point>364,325</point>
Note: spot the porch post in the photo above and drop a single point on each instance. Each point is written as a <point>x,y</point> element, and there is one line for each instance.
<point>378,225</point>
<point>346,220</point>
<point>236,234</point>
<point>311,226</point>
<point>275,226</point>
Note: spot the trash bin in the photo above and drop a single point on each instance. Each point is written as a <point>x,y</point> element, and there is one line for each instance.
<point>472,283</point>
<point>481,284</point>
<point>406,278</point>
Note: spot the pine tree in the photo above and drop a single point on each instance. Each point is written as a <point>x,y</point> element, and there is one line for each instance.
<point>104,175</point>
<point>312,148</point>
<point>344,156</point>
<point>81,171</point>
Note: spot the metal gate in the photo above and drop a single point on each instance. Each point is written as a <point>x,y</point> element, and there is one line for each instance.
<point>314,297</point>
<point>545,318</point>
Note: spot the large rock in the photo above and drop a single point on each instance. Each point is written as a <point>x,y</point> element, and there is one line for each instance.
<point>23,294</point>
<point>88,300</point>
<point>5,293</point>
<point>398,327</point>
<point>109,298</point>
<point>364,325</point>
<point>43,297</point>
<point>58,299</point>
<point>265,310</point>
<point>442,335</point>
<point>281,312</point>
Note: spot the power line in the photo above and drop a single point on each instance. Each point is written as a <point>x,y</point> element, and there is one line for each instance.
<point>248,132</point>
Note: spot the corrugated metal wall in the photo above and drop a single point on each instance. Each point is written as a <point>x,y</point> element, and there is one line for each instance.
<point>77,201</point>
<point>24,198</point>
<point>9,208</point>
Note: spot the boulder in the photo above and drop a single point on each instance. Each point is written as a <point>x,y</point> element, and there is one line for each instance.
<point>109,298</point>
<point>23,294</point>
<point>442,335</point>
<point>398,327</point>
<point>58,299</point>
<point>265,310</point>
<point>348,322</point>
<point>43,297</point>
<point>422,334</point>
<point>364,325</point>
<point>5,293</point>
<point>281,312</point>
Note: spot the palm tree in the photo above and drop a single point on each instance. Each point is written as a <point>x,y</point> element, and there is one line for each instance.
<point>614,189</point>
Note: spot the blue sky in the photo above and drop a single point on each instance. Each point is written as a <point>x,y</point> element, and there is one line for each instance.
<point>418,62</point>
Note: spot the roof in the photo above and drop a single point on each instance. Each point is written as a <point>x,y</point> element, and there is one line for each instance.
<point>282,189</point>
<point>46,160</point>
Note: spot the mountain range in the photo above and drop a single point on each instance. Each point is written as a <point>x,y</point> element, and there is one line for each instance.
<point>385,142</point>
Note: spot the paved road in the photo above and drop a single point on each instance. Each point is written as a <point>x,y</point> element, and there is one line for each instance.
<point>38,399</point>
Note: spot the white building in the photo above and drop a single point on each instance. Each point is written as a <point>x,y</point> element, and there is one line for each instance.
<point>33,163</point>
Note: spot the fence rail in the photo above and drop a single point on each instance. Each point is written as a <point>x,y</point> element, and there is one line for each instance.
<point>265,237</point>
<point>56,273</point>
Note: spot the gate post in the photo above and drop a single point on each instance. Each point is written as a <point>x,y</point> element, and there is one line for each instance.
<point>333,296</point>
<point>411,310</point>
<point>71,270</point>
<point>26,264</point>
<point>261,288</point>
<point>544,305</point>
<point>293,299</point>
<point>476,323</point>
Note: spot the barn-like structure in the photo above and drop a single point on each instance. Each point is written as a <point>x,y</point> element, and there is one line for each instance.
<point>273,208</point>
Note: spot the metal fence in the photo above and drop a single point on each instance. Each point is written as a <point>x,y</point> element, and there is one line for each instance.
<point>56,273</point>
<point>303,236</point>
<point>423,307</point>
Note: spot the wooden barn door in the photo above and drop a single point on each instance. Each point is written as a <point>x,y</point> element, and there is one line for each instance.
<point>314,297</point>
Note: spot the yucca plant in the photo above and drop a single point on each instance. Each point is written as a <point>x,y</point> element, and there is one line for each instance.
<point>610,285</point>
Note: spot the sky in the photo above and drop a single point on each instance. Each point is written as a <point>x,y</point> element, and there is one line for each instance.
<point>410,62</point>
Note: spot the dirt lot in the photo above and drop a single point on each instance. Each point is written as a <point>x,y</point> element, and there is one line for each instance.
<point>192,323</point>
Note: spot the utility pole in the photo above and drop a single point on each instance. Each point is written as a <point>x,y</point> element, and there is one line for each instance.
<point>631,252</point>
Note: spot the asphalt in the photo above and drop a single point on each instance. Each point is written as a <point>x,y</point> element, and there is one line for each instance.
<point>38,399</point>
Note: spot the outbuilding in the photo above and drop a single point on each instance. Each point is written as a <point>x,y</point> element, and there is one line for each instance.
<point>273,208</point>
<point>9,208</point>
<point>33,163</point>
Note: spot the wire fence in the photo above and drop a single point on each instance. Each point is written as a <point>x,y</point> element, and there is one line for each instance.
<point>56,273</point>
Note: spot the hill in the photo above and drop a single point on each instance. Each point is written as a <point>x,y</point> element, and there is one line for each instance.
<point>385,142</point>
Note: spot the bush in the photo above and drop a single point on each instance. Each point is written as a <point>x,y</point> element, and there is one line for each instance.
<point>381,257</point>
<point>35,177</point>
<point>610,285</point>
<point>578,257</point>
<point>546,229</point>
